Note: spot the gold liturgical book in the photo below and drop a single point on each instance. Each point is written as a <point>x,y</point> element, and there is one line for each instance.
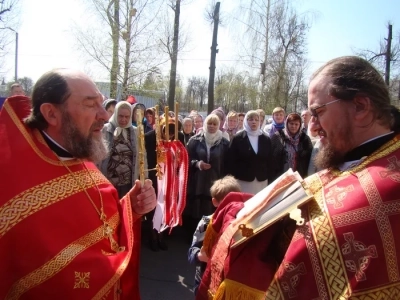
<point>279,199</point>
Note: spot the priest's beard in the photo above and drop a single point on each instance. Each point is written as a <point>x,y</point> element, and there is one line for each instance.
<point>331,155</point>
<point>79,146</point>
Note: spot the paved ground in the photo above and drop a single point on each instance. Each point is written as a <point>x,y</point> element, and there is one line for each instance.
<point>166,275</point>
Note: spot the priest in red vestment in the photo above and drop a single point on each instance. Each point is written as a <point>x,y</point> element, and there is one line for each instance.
<point>347,247</point>
<point>64,234</point>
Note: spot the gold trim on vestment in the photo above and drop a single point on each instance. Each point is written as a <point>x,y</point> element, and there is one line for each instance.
<point>383,151</point>
<point>31,142</point>
<point>118,273</point>
<point>387,292</point>
<point>59,261</point>
<point>45,194</point>
<point>322,225</point>
<point>274,291</point>
<point>333,267</point>
<point>334,271</point>
<point>380,211</point>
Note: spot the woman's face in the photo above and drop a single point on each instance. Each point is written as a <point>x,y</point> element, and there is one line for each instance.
<point>241,118</point>
<point>279,117</point>
<point>149,117</point>
<point>110,110</point>
<point>198,122</point>
<point>254,122</point>
<point>187,127</point>
<point>232,122</point>
<point>123,117</point>
<point>293,127</point>
<point>212,126</point>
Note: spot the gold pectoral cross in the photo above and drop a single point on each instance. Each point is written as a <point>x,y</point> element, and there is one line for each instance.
<point>108,232</point>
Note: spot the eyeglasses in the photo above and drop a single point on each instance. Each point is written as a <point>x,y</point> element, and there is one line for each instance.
<point>314,112</point>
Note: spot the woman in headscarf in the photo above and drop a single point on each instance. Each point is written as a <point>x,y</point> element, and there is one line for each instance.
<point>249,157</point>
<point>187,129</point>
<point>221,115</point>
<point>292,147</point>
<point>206,152</point>
<point>231,123</point>
<point>121,167</point>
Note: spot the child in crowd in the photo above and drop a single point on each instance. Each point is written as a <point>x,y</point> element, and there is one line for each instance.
<point>219,190</point>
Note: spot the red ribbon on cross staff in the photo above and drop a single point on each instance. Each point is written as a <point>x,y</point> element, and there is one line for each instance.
<point>172,184</point>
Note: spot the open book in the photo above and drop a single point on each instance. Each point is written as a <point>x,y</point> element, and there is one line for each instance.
<point>279,199</point>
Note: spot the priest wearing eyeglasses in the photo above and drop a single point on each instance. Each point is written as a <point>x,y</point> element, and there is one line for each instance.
<point>347,247</point>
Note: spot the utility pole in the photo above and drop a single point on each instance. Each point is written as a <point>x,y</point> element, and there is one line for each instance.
<point>214,52</point>
<point>264,64</point>
<point>388,55</point>
<point>16,56</point>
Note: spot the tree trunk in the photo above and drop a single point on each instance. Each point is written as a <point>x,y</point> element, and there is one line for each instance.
<point>212,62</point>
<point>128,39</point>
<point>115,58</point>
<point>264,66</point>
<point>174,57</point>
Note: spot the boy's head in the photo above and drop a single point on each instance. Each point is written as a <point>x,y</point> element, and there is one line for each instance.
<point>223,187</point>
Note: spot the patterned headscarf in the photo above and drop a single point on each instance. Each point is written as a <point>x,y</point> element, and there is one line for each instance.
<point>292,146</point>
<point>114,119</point>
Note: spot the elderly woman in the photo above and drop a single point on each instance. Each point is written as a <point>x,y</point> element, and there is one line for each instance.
<point>249,156</point>
<point>292,147</point>
<point>206,152</point>
<point>121,167</point>
<point>187,129</point>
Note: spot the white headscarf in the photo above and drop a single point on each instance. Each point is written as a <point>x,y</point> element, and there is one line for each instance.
<point>247,127</point>
<point>114,119</point>
<point>252,134</point>
<point>211,138</point>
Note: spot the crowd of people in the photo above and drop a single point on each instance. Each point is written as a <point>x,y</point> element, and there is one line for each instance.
<point>79,205</point>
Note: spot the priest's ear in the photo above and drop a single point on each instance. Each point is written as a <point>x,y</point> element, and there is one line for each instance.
<point>362,104</point>
<point>51,113</point>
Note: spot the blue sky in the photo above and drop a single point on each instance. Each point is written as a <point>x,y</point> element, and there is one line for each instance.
<point>339,27</point>
<point>344,25</point>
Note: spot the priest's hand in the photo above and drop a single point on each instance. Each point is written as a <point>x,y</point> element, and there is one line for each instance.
<point>202,256</point>
<point>204,166</point>
<point>143,199</point>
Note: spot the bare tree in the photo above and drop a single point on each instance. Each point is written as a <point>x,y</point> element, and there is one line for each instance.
<point>387,56</point>
<point>9,21</point>
<point>387,60</point>
<point>127,52</point>
<point>275,39</point>
<point>236,90</point>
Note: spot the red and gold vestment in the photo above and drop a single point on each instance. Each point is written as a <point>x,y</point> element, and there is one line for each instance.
<point>347,248</point>
<point>52,242</point>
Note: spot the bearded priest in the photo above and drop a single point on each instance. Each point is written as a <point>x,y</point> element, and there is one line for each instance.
<point>64,233</point>
<point>347,247</point>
